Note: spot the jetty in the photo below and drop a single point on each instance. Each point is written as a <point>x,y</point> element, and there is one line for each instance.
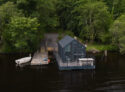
<point>49,43</point>
<point>40,55</point>
<point>38,59</point>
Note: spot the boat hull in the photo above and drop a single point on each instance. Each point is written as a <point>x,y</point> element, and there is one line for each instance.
<point>23,60</point>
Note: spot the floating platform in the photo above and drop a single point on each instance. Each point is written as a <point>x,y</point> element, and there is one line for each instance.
<point>85,63</point>
<point>38,59</point>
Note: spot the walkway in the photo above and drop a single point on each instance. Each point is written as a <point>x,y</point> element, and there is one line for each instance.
<point>48,43</point>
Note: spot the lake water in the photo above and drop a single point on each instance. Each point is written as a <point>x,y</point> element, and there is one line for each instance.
<point>109,76</point>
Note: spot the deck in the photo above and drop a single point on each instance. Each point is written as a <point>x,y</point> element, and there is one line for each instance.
<point>38,59</point>
<point>71,65</point>
<point>40,55</point>
<point>49,43</point>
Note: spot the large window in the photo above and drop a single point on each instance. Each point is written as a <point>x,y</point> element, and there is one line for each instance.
<point>68,48</point>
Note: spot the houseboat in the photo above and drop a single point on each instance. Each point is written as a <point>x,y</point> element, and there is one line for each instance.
<point>71,55</point>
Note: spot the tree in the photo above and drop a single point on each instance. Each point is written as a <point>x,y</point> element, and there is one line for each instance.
<point>44,10</point>
<point>27,6</point>
<point>47,14</point>
<point>22,34</point>
<point>67,19</point>
<point>88,19</point>
<point>93,20</point>
<point>64,8</point>
<point>4,1</point>
<point>116,7</point>
<point>7,11</point>
<point>118,32</point>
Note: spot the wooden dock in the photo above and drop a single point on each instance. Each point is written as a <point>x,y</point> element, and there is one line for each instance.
<point>49,43</point>
<point>38,59</point>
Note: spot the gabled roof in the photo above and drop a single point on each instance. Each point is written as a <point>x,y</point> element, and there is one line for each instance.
<point>65,41</point>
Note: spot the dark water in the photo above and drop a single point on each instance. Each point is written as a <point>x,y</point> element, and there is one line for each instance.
<point>109,76</point>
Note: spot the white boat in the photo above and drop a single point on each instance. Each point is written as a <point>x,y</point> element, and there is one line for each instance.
<point>86,61</point>
<point>23,60</point>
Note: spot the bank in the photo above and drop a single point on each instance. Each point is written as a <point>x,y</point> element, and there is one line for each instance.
<point>100,47</point>
<point>90,48</point>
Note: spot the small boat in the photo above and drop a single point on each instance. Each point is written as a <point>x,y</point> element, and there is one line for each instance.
<point>86,61</point>
<point>23,60</point>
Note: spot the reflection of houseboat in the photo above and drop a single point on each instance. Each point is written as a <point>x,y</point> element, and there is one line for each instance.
<point>71,55</point>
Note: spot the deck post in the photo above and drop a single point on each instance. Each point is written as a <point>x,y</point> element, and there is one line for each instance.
<point>105,53</point>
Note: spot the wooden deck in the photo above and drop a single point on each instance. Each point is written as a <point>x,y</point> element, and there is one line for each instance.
<point>38,59</point>
<point>49,43</point>
<point>39,56</point>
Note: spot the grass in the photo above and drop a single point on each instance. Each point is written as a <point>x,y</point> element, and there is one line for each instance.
<point>101,47</point>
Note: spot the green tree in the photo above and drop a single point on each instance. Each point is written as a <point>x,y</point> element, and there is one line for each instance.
<point>88,19</point>
<point>116,7</point>
<point>67,19</point>
<point>4,1</point>
<point>22,34</point>
<point>64,8</point>
<point>7,11</point>
<point>44,10</point>
<point>27,6</point>
<point>118,32</point>
<point>94,20</point>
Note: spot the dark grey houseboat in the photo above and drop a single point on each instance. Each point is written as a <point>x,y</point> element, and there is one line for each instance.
<point>72,55</point>
<point>70,49</point>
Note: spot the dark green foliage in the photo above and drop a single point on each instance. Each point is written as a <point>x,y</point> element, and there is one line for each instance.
<point>27,6</point>
<point>7,11</point>
<point>94,20</point>
<point>22,34</point>
<point>118,32</point>
<point>116,7</point>
<point>44,10</point>
<point>89,20</point>
<point>67,18</point>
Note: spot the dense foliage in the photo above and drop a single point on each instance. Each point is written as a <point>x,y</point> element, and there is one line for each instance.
<point>22,34</point>
<point>7,11</point>
<point>93,21</point>
<point>118,32</point>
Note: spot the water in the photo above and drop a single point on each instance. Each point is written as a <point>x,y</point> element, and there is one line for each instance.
<point>109,76</point>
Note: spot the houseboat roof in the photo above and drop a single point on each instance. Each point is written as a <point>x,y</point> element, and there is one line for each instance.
<point>65,41</point>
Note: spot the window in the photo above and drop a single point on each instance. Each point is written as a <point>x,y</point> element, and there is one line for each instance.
<point>68,48</point>
<point>68,58</point>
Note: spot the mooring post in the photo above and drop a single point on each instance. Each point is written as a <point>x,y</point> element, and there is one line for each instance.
<point>105,53</point>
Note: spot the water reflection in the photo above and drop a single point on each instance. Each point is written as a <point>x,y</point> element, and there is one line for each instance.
<point>77,80</point>
<point>109,76</point>
<point>22,65</point>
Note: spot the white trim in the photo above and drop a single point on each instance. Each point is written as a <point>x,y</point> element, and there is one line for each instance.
<point>85,59</point>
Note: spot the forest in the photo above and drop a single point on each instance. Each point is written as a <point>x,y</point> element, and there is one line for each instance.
<point>99,22</point>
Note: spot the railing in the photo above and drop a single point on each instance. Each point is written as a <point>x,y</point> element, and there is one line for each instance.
<point>72,64</point>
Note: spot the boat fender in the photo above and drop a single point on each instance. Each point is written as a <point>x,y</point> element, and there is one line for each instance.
<point>49,61</point>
